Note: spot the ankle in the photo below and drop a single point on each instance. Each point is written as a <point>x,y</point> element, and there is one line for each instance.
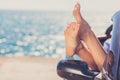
<point>79,47</point>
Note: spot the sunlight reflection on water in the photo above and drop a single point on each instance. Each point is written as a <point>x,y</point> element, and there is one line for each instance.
<point>35,33</point>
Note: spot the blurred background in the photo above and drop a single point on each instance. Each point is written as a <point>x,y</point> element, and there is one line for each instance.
<point>34,29</point>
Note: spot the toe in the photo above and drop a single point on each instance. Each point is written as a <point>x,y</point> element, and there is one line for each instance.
<point>78,4</point>
<point>75,5</point>
<point>68,26</point>
<point>73,24</point>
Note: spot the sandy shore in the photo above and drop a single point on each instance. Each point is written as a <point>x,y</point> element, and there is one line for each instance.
<point>28,68</point>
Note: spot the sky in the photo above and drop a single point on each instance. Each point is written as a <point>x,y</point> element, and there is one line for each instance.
<point>67,5</point>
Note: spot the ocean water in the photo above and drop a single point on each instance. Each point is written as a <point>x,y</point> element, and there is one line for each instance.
<point>40,33</point>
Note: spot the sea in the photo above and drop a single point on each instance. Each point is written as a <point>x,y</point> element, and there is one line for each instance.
<point>41,33</point>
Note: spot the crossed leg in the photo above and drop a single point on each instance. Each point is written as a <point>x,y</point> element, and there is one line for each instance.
<point>81,30</point>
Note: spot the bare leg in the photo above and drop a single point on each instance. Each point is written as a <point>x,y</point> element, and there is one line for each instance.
<point>85,55</point>
<point>86,34</point>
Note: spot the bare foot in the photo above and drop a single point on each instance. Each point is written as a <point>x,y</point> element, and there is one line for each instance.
<point>76,13</point>
<point>71,38</point>
<point>84,26</point>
